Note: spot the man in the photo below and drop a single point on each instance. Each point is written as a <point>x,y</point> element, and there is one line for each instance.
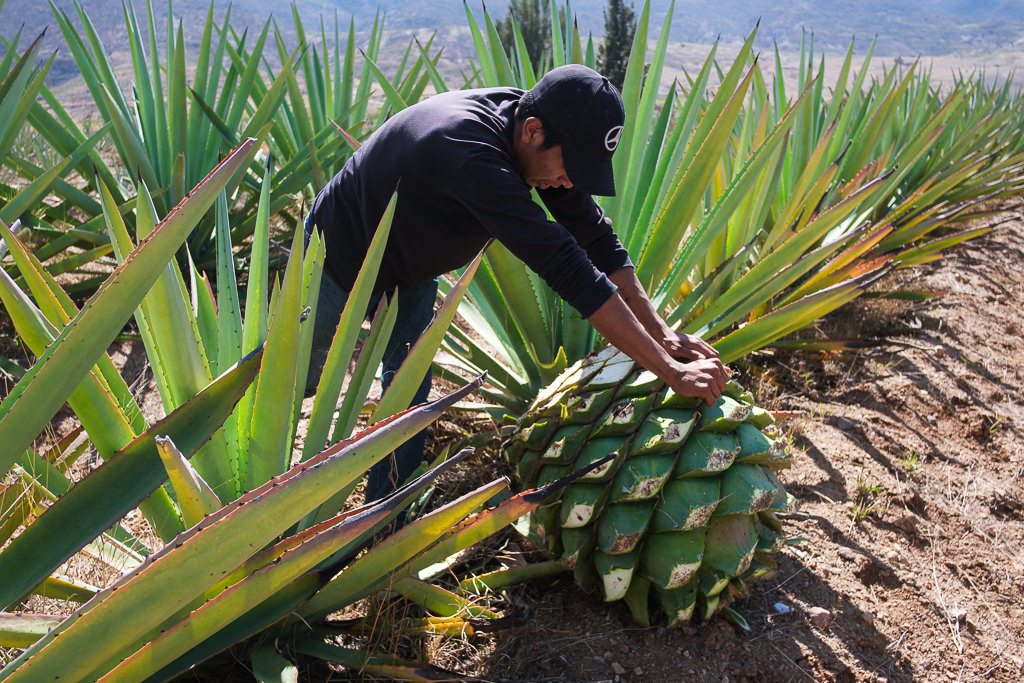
<point>466,162</point>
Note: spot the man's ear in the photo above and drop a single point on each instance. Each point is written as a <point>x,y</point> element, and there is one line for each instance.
<point>533,130</point>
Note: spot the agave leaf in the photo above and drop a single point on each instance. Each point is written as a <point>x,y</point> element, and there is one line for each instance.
<point>165,318</point>
<point>343,343</point>
<point>66,588</point>
<point>363,576</point>
<point>369,359</point>
<point>436,599</point>
<point>395,100</point>
<point>656,259</point>
<point>195,497</point>
<point>791,317</point>
<point>20,629</point>
<point>510,576</point>
<point>288,598</point>
<point>410,374</point>
<point>268,666</point>
<point>18,89</point>
<point>259,581</point>
<point>388,668</point>
<point>273,419</point>
<point>102,402</point>
<point>115,487</point>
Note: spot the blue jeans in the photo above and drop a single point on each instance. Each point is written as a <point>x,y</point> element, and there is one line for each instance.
<point>415,311</point>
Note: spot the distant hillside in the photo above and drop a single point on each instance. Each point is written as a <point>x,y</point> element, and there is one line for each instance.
<point>903,27</point>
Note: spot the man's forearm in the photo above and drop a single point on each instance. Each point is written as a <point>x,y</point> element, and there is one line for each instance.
<point>633,295</point>
<point>617,323</point>
<point>704,377</point>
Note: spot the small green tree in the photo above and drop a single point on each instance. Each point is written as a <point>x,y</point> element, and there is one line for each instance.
<point>619,28</point>
<point>534,20</point>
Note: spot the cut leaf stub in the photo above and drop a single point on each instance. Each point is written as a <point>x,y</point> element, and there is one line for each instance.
<point>682,516</point>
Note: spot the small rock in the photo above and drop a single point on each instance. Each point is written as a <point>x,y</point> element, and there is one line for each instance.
<point>868,618</point>
<point>959,615</point>
<point>819,616</point>
<point>907,523</point>
<point>608,655</point>
<point>782,608</point>
<point>892,557</point>
<point>638,671</point>
<point>599,659</point>
<point>625,649</point>
<point>848,554</point>
<point>618,668</point>
<point>844,424</point>
<point>881,679</point>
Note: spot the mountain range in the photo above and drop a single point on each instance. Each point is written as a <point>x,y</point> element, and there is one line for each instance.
<point>900,27</point>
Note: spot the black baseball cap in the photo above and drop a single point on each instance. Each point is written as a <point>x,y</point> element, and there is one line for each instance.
<point>585,109</point>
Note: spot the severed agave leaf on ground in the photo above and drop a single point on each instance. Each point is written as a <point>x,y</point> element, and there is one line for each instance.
<point>683,513</point>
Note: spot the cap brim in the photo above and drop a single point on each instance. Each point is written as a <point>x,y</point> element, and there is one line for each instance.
<point>593,176</point>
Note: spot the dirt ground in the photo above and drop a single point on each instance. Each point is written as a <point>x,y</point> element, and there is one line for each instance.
<point>908,483</point>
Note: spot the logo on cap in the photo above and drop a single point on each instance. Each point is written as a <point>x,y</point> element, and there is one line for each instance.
<point>611,139</point>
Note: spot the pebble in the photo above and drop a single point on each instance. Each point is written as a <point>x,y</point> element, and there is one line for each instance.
<point>638,671</point>
<point>819,616</point>
<point>599,659</point>
<point>618,668</point>
<point>907,523</point>
<point>959,615</point>
<point>782,608</point>
<point>892,557</point>
<point>848,554</point>
<point>868,618</point>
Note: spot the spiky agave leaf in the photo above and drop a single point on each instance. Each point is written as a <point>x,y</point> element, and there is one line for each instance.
<point>683,509</point>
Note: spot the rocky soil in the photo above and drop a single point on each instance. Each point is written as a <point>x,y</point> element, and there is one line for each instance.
<point>908,473</point>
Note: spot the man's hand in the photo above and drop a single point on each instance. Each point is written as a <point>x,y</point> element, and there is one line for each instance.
<point>687,346</point>
<point>704,378</point>
<point>630,322</point>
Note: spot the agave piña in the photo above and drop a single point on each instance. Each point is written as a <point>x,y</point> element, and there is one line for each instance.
<point>684,511</point>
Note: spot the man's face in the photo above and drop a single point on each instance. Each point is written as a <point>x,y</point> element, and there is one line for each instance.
<point>540,168</point>
<point>544,169</point>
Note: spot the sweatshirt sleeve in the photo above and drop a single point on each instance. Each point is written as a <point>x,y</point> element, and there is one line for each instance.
<point>501,201</point>
<point>585,221</point>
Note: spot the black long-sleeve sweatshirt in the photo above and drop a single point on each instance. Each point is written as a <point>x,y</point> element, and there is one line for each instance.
<point>458,185</point>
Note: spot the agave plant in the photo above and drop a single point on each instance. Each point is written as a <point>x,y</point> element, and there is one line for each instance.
<point>251,528</point>
<point>748,215</point>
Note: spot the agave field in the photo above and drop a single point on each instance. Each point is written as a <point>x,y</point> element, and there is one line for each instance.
<point>221,513</point>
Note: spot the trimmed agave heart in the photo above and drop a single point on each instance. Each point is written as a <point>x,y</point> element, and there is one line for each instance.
<point>684,513</point>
